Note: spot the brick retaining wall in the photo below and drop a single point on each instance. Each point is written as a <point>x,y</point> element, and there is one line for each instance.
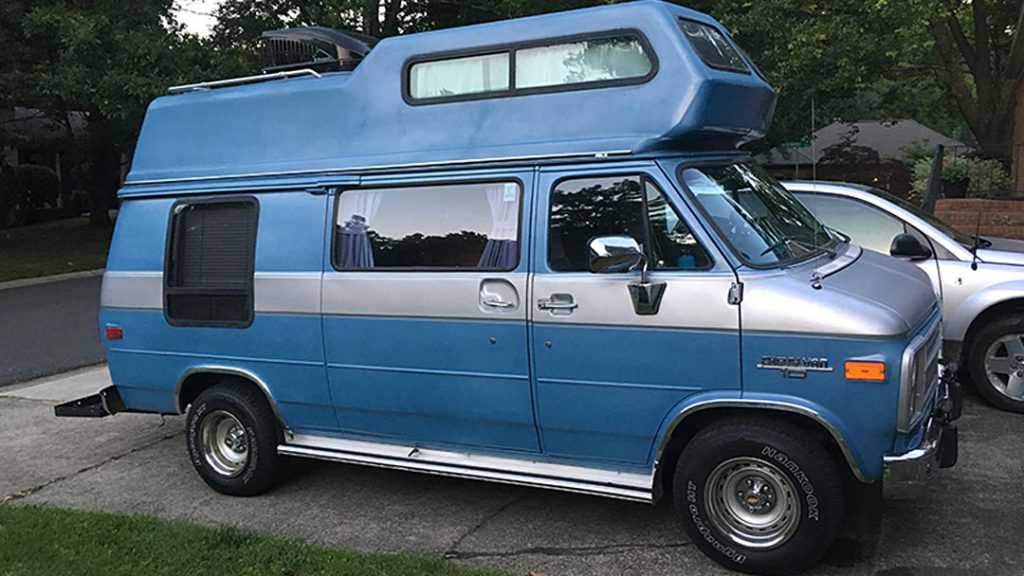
<point>1003,218</point>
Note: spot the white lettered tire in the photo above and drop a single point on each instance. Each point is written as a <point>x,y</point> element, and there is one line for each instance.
<point>759,496</point>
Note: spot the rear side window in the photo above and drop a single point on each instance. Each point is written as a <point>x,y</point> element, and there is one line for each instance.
<point>460,76</point>
<point>211,252</point>
<point>597,60</point>
<point>611,58</point>
<point>713,47</point>
<point>585,208</point>
<point>458,227</point>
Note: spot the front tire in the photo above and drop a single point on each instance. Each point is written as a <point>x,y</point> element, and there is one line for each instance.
<point>995,362</point>
<point>232,438</point>
<point>758,496</point>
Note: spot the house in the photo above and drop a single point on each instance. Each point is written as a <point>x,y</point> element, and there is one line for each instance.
<point>29,136</point>
<point>867,152</point>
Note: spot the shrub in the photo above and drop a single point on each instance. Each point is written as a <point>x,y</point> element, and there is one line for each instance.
<point>988,178</point>
<point>28,189</point>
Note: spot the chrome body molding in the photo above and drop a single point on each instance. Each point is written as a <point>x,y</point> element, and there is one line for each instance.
<point>230,371</point>
<point>597,155</point>
<point>762,405</point>
<point>610,483</point>
<point>273,292</point>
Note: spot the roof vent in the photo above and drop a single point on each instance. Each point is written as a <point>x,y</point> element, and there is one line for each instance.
<point>320,49</point>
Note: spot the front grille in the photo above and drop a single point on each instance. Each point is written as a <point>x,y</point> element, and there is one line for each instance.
<point>920,375</point>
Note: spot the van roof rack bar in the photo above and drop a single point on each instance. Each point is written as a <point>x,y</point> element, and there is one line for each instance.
<point>242,80</point>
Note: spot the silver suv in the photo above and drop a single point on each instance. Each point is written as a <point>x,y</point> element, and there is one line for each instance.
<point>979,280</point>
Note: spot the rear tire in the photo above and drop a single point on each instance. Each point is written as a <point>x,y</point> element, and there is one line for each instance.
<point>232,436</point>
<point>995,363</point>
<point>758,496</point>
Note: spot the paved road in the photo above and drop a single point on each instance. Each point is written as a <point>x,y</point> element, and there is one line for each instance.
<point>967,522</point>
<point>49,328</point>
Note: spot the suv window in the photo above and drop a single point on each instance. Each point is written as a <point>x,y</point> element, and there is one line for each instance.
<point>584,208</point>
<point>211,252</point>
<point>864,224</point>
<point>446,227</point>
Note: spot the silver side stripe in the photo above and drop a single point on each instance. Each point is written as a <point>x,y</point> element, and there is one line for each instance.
<point>274,292</point>
<point>425,294</point>
<point>610,483</point>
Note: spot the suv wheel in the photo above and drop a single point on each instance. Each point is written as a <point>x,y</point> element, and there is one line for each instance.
<point>995,363</point>
<point>758,496</point>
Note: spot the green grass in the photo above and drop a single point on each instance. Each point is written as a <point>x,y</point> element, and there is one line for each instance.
<point>37,541</point>
<point>52,248</point>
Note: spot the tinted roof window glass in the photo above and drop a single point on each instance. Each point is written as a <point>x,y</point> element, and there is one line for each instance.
<point>713,47</point>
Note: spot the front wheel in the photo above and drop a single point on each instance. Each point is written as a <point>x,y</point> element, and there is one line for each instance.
<point>758,496</point>
<point>232,437</point>
<point>995,362</point>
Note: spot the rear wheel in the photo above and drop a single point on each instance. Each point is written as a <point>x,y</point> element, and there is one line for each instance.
<point>995,362</point>
<point>232,438</point>
<point>758,496</point>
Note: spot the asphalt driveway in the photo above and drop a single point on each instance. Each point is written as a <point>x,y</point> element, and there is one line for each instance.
<point>969,521</point>
<point>49,328</point>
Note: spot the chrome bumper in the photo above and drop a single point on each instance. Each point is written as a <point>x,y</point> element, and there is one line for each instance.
<point>938,448</point>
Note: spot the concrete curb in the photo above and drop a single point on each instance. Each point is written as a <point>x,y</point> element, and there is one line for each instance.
<point>25,282</point>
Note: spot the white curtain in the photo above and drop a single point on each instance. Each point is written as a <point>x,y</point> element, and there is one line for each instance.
<point>457,76</point>
<point>502,250</point>
<point>355,217</point>
<point>587,61</point>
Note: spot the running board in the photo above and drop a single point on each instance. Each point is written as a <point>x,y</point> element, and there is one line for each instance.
<point>600,482</point>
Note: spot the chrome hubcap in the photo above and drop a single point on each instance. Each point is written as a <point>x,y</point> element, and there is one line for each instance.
<point>1004,366</point>
<point>224,442</point>
<point>752,502</point>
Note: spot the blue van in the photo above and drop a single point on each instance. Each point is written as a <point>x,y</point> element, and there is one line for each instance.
<point>526,252</point>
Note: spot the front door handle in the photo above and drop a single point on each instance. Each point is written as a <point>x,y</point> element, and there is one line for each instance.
<point>558,304</point>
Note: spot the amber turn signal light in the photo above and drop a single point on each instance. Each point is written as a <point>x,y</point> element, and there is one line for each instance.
<point>871,371</point>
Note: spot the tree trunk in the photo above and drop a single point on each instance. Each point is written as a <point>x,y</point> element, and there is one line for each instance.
<point>105,172</point>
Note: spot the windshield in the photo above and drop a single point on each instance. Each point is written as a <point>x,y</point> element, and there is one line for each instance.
<point>763,223</point>
<point>957,236</point>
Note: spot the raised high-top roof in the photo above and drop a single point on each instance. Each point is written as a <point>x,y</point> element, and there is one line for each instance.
<point>366,119</point>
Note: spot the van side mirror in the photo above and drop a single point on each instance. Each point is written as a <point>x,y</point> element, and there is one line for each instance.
<point>614,254</point>
<point>908,246</point>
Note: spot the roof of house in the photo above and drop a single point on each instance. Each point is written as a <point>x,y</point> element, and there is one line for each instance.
<point>32,128</point>
<point>888,139</point>
<point>348,121</point>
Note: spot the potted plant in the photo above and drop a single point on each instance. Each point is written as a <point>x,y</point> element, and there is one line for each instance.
<point>955,178</point>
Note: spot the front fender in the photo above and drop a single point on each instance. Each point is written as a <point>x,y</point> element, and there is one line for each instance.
<point>957,323</point>
<point>864,468</point>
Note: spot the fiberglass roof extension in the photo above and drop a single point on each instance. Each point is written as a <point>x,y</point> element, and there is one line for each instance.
<point>629,79</point>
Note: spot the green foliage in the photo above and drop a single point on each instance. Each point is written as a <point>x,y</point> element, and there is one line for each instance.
<point>27,189</point>
<point>48,541</point>
<point>987,178</point>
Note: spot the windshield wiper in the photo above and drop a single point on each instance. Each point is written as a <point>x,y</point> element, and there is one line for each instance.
<point>802,244</point>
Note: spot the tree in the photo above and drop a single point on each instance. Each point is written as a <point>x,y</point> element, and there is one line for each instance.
<point>104,58</point>
<point>981,47</point>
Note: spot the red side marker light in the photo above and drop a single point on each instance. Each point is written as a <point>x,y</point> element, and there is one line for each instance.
<point>114,332</point>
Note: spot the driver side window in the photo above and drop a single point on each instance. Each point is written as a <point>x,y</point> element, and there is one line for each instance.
<point>585,208</point>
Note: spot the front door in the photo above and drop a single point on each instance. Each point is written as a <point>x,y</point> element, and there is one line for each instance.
<point>425,311</point>
<point>606,375</point>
